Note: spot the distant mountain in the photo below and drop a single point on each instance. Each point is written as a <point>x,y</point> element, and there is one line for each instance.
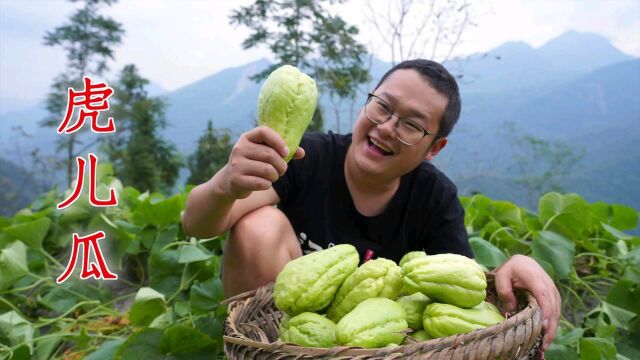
<point>576,88</point>
<point>18,188</point>
<point>228,97</point>
<point>524,71</point>
<point>597,114</point>
<point>575,51</point>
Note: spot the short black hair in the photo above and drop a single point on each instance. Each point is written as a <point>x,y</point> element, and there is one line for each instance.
<point>442,81</point>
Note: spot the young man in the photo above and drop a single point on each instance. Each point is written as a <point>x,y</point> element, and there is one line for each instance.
<point>374,189</point>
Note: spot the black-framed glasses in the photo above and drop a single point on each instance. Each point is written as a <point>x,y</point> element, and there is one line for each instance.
<point>407,130</point>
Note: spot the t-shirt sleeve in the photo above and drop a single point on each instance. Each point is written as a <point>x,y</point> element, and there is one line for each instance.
<point>449,234</point>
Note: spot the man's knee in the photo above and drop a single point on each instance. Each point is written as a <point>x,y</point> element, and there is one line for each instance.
<point>263,228</point>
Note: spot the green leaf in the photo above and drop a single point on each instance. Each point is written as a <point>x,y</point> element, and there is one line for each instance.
<point>554,249</point>
<point>506,213</point>
<point>568,214</point>
<point>13,264</point>
<point>164,270</point>
<point>4,222</point>
<point>160,214</point>
<point>16,329</point>
<point>46,346</point>
<point>626,295</point>
<point>486,253</point>
<point>180,339</point>
<point>206,296</point>
<point>615,233</point>
<point>213,327</point>
<point>560,352</point>
<point>619,216</point>
<point>182,308</point>
<point>147,305</point>
<point>144,344</point>
<point>106,352</point>
<point>618,316</point>
<point>31,233</point>
<point>569,338</point>
<point>596,349</point>
<point>193,252</point>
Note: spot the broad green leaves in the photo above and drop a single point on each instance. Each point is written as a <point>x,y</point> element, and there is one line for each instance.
<point>15,330</point>
<point>148,305</point>
<point>31,233</point>
<point>585,249</point>
<point>568,214</point>
<point>486,253</point>
<point>554,249</point>
<point>13,264</point>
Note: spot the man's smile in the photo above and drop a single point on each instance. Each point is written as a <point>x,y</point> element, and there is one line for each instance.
<point>379,147</point>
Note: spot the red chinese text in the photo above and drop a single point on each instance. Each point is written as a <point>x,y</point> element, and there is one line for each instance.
<point>93,199</point>
<point>97,272</point>
<point>91,101</point>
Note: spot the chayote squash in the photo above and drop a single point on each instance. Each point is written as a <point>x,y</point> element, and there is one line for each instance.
<point>410,256</point>
<point>373,323</point>
<point>310,282</point>
<point>375,278</point>
<point>414,307</point>
<point>447,278</point>
<point>286,104</point>
<point>442,320</point>
<point>421,335</point>
<point>308,329</point>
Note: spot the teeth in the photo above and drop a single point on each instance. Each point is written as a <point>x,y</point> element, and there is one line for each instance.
<point>380,145</point>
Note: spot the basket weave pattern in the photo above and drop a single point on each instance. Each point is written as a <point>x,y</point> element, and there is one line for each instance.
<point>251,332</point>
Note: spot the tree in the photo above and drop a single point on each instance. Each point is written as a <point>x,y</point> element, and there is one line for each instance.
<point>128,90</point>
<point>140,157</point>
<point>214,147</point>
<point>420,28</point>
<point>303,33</point>
<point>88,38</point>
<point>540,165</point>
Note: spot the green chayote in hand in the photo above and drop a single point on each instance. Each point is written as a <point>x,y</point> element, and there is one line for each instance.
<point>373,323</point>
<point>442,320</point>
<point>310,282</point>
<point>308,329</point>
<point>447,278</point>
<point>286,104</point>
<point>414,307</point>
<point>375,278</point>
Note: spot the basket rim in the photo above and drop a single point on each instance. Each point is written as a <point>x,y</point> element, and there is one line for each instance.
<point>530,311</point>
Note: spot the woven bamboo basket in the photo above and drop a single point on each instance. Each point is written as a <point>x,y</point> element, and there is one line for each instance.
<point>251,332</point>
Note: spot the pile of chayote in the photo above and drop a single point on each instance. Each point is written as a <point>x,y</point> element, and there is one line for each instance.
<point>329,301</point>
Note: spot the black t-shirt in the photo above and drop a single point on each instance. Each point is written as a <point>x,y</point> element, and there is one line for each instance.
<point>424,213</point>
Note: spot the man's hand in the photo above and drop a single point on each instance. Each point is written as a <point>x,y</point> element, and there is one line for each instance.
<point>523,272</point>
<point>256,161</point>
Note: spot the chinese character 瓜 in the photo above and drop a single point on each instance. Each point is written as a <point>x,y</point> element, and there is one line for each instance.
<point>97,272</point>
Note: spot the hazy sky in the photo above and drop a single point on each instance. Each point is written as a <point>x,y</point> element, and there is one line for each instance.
<point>177,42</point>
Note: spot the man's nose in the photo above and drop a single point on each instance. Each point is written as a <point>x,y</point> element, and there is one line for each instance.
<point>388,128</point>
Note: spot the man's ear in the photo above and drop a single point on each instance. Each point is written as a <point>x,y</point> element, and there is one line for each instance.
<point>436,147</point>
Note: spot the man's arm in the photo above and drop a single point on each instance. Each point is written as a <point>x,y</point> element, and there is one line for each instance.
<point>243,185</point>
<point>210,212</point>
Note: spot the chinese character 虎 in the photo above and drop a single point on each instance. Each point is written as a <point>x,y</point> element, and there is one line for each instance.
<point>98,272</point>
<point>91,101</point>
<point>93,199</point>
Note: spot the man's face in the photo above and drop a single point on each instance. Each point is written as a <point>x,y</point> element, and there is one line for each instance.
<point>376,149</point>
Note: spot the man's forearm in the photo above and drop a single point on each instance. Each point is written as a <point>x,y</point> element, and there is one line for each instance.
<point>207,211</point>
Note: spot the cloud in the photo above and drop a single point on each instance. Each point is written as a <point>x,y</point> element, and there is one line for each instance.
<point>174,43</point>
